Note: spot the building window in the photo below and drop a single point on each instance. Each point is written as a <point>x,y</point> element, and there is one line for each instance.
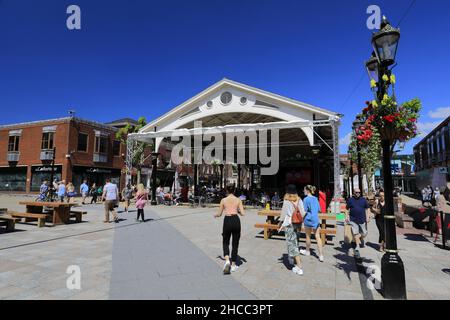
<point>82,142</point>
<point>116,148</point>
<point>47,140</point>
<point>226,97</point>
<point>13,144</point>
<point>101,144</point>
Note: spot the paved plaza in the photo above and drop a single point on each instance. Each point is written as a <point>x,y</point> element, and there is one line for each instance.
<point>177,254</point>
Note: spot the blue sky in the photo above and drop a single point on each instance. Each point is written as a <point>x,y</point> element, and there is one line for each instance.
<point>136,57</point>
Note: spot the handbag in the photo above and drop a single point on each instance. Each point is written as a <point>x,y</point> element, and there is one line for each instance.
<point>348,235</point>
<point>296,216</point>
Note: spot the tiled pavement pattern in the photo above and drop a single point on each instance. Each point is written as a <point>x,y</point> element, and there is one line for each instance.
<point>177,256</point>
<point>152,260</point>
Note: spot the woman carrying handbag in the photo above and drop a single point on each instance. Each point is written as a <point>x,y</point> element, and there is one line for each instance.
<point>293,213</point>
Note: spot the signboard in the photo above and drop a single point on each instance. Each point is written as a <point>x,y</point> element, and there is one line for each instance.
<point>47,169</point>
<point>98,170</point>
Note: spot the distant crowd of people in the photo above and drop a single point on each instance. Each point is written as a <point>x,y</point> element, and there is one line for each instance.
<point>108,194</point>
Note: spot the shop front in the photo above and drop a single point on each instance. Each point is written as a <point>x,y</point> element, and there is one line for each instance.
<point>95,175</point>
<point>13,178</point>
<point>41,173</point>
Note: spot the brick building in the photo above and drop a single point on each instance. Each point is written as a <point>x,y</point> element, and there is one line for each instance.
<point>84,150</point>
<point>432,157</point>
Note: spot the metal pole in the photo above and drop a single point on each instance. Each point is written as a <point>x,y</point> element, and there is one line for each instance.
<point>351,178</point>
<point>239,177</point>
<point>195,179</point>
<point>358,151</point>
<point>154,172</point>
<point>221,176</point>
<point>52,175</point>
<point>336,160</point>
<point>392,268</point>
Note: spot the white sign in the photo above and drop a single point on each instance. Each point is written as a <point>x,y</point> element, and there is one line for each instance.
<point>443,170</point>
<point>73,22</point>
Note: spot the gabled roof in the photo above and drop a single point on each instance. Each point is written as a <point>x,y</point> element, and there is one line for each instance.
<point>244,87</point>
<point>122,122</point>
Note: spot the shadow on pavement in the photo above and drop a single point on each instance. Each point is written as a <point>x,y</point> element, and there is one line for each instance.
<point>285,260</point>
<point>414,237</point>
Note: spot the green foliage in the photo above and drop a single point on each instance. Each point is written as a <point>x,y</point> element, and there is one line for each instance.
<point>370,155</point>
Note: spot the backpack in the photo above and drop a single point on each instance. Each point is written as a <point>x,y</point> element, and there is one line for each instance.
<point>297,215</point>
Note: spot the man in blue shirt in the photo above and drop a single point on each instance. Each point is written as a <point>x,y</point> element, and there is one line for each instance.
<point>43,190</point>
<point>84,190</point>
<point>357,217</point>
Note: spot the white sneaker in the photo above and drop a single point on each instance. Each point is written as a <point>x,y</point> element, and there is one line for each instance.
<point>321,258</point>
<point>297,270</point>
<point>226,268</point>
<point>305,253</point>
<point>234,268</point>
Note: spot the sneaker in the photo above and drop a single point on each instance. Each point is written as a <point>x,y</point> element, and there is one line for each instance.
<point>234,268</point>
<point>226,268</point>
<point>321,258</point>
<point>297,270</point>
<point>305,253</point>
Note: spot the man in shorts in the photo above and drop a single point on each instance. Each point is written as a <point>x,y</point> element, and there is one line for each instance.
<point>110,196</point>
<point>357,217</point>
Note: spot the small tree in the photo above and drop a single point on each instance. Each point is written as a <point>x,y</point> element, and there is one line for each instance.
<point>138,148</point>
<point>370,152</point>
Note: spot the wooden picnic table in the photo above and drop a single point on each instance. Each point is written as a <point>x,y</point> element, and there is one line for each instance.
<point>60,210</point>
<point>273,218</point>
<point>8,221</point>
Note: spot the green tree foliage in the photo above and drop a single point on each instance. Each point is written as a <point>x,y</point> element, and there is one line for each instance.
<point>370,156</point>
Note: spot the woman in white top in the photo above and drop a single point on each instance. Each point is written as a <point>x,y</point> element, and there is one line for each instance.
<point>292,208</point>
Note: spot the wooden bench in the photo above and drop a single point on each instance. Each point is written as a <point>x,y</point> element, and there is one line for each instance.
<point>9,222</point>
<point>41,217</point>
<point>78,215</point>
<point>273,218</point>
<point>269,229</point>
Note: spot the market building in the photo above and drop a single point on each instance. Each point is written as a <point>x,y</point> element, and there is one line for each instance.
<point>81,149</point>
<point>306,141</point>
<point>432,157</point>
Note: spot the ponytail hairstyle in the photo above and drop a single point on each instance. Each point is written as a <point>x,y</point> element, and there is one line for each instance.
<point>311,189</point>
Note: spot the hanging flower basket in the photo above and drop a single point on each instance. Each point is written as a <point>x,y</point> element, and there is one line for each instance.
<point>388,132</point>
<point>393,122</point>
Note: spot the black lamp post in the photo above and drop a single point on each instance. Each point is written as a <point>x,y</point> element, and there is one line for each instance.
<point>385,44</point>
<point>356,124</point>
<point>51,189</point>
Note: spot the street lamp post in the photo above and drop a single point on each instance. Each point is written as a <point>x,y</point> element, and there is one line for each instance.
<point>356,124</point>
<point>385,44</point>
<point>51,190</point>
<point>154,176</point>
